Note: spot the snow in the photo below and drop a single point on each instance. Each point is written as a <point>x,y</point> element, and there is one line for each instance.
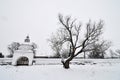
<point>99,71</point>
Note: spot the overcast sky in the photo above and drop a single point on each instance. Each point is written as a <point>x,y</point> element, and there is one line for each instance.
<point>38,18</point>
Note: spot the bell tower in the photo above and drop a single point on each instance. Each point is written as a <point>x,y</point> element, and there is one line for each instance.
<point>27,39</point>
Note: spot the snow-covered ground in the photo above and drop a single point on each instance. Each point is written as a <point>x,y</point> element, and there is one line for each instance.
<point>106,70</point>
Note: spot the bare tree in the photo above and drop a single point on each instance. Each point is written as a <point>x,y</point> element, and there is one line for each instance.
<point>12,47</point>
<point>114,54</point>
<point>57,40</point>
<point>99,49</point>
<point>77,46</point>
<point>117,52</point>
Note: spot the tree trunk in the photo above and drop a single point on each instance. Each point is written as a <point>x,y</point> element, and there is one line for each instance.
<point>84,55</point>
<point>66,64</point>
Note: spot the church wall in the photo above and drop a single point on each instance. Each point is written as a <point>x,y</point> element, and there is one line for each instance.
<point>5,60</point>
<point>18,55</point>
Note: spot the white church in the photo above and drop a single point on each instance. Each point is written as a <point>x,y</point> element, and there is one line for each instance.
<point>24,54</point>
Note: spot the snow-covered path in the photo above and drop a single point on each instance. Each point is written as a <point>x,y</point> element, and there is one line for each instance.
<point>57,72</point>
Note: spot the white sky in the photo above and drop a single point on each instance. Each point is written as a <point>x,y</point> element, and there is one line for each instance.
<point>38,18</point>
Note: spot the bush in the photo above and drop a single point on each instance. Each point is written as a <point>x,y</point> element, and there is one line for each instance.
<point>1,55</point>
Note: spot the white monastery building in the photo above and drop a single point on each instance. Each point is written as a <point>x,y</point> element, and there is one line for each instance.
<point>24,54</point>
